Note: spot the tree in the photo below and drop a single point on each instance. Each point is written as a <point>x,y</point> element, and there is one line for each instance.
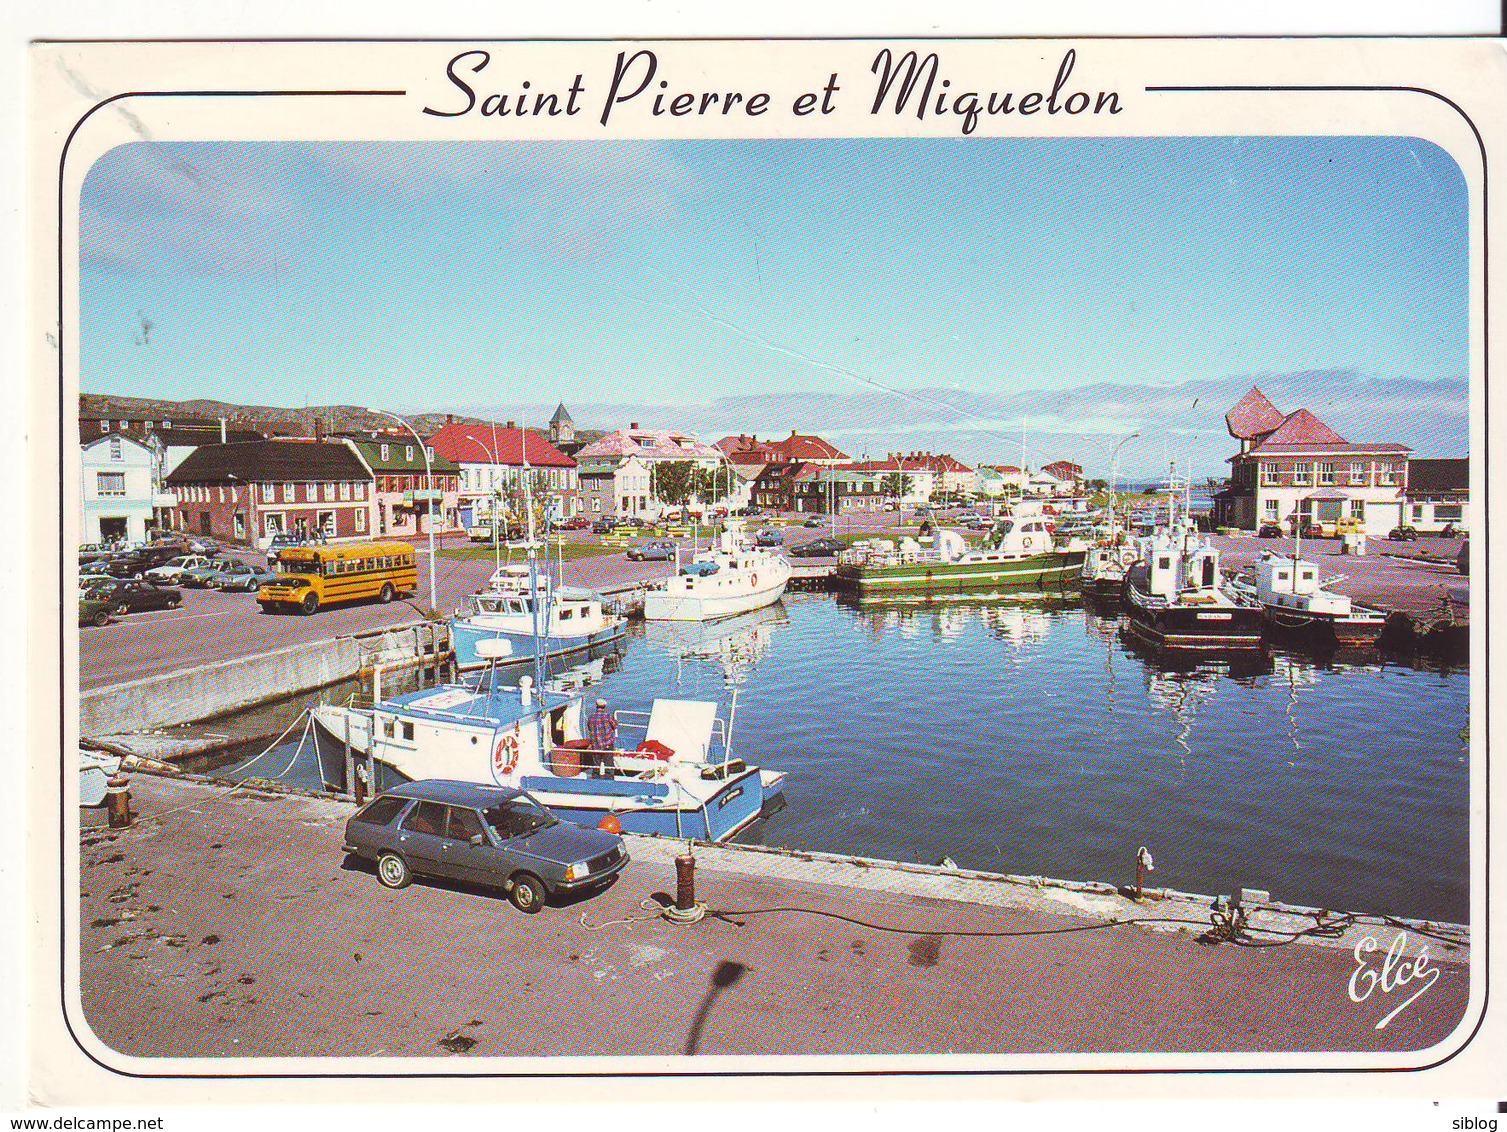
<point>896,485</point>
<point>710,485</point>
<point>674,482</point>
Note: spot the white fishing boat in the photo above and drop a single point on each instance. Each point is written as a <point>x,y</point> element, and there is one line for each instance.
<point>681,779</point>
<point>522,607</point>
<point>732,577</point>
<point>1295,598</point>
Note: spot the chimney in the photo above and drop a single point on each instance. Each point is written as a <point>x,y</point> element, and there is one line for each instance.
<point>512,424</point>
<point>222,430</point>
<point>634,426</point>
<point>318,428</point>
<point>449,418</point>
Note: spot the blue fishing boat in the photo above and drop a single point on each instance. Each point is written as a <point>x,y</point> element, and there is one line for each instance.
<point>534,617</point>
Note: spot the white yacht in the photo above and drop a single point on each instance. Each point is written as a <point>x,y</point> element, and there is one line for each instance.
<point>1294,597</point>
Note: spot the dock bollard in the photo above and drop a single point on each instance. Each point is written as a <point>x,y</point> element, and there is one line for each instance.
<point>118,802</point>
<point>685,910</point>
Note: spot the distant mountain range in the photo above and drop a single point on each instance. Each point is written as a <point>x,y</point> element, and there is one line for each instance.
<point>1083,423</point>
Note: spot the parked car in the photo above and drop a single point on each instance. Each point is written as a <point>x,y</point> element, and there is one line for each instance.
<point>1462,560</point>
<point>819,548</point>
<point>197,577</point>
<point>283,540</point>
<point>815,521</point>
<point>1270,530</point>
<point>171,573</point>
<point>205,545</point>
<point>132,596</point>
<point>659,550</point>
<point>1403,534</point>
<point>769,537</point>
<point>234,574</point>
<point>490,835</point>
<point>576,523</point>
<point>123,566</point>
<point>632,521</point>
<point>93,610</point>
<point>604,526</point>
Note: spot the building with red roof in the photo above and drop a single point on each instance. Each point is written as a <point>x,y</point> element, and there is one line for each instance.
<point>1293,469</point>
<point>497,461</point>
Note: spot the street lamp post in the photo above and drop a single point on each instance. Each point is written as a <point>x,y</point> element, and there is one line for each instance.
<point>1113,466</point>
<point>428,500</point>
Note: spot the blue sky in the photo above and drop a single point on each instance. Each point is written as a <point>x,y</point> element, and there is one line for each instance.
<point>500,277</point>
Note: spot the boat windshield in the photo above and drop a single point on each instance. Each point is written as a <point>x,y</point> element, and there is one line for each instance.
<point>519,817</point>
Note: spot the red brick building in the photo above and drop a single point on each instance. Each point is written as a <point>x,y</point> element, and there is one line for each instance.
<point>251,491</point>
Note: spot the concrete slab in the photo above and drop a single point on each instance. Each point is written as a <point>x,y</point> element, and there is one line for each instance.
<point>224,924</point>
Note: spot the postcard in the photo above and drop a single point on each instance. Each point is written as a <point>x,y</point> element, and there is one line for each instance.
<point>808,568</point>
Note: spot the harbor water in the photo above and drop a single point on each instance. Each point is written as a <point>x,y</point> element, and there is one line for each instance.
<point>1018,738</point>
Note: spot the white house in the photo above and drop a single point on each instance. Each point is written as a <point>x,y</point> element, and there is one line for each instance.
<point>117,489</point>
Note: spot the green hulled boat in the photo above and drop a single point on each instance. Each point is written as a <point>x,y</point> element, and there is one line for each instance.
<point>1019,554</point>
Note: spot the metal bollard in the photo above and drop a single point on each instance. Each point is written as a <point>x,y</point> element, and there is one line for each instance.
<point>118,802</point>
<point>685,909</point>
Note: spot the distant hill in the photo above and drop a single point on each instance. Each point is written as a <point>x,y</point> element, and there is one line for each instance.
<point>336,418</point>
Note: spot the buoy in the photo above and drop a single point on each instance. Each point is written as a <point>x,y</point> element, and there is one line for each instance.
<point>610,824</point>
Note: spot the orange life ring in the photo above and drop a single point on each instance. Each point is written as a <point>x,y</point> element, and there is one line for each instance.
<point>505,755</point>
<point>753,579</point>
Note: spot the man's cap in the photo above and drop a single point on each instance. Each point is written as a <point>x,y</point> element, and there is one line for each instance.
<point>601,703</point>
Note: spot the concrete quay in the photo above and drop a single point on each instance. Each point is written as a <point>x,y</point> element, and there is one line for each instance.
<point>224,924</point>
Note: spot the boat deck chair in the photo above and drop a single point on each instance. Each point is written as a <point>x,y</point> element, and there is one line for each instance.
<point>685,726</point>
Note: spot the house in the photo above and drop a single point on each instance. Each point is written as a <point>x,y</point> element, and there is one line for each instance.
<point>797,448</point>
<point>1066,473</point>
<point>823,489</point>
<point>118,490</point>
<point>997,480</point>
<point>496,462</point>
<point>1438,494</point>
<point>617,488</point>
<point>1293,468</point>
<point>401,484</point>
<point>649,447</point>
<point>250,491</point>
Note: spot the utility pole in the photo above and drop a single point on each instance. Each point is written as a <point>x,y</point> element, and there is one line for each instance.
<point>428,500</point>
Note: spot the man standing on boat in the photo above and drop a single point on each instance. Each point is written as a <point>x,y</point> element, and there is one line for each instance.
<point>601,729</point>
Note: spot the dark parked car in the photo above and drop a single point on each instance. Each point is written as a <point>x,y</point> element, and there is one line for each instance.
<point>820,548</point>
<point>491,835</point>
<point>1270,530</point>
<point>658,550</point>
<point>131,596</point>
<point>1402,534</point>
<point>93,610</point>
<point>604,526</point>
<point>815,521</point>
<point>769,537</point>
<point>234,574</point>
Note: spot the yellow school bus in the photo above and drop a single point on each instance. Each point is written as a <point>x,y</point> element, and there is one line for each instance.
<point>311,577</point>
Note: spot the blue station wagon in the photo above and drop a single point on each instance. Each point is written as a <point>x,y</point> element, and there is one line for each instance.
<point>491,835</point>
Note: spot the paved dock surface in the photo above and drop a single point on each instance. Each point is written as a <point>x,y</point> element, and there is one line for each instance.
<point>224,924</point>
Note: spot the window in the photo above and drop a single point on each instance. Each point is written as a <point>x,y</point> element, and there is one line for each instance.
<point>147,425</point>
<point>104,426</point>
<point>124,425</point>
<point>1326,474</point>
<point>345,491</point>
<point>326,523</point>
<point>464,824</point>
<point>111,483</point>
<point>311,492</point>
<point>1271,508</point>
<point>167,424</point>
<point>1357,472</point>
<point>426,817</point>
<point>1417,512</point>
<point>1357,508</point>
<point>272,524</point>
<point>360,491</point>
<point>1448,512</point>
<point>430,451</point>
<point>240,525</point>
<point>361,520</point>
<point>596,506</point>
<point>1302,473</point>
<point>408,452</point>
<point>115,450</point>
<point>329,493</point>
<point>380,812</point>
<point>220,491</point>
<point>1388,475</point>
<point>386,453</point>
<point>269,492</point>
<point>407,730</point>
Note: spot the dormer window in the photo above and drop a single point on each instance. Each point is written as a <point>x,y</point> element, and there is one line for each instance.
<point>408,452</point>
<point>385,452</point>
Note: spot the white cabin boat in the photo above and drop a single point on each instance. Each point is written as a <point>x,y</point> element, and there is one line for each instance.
<point>1294,597</point>
<point>681,780</point>
<point>521,607</point>
<point>1177,598</point>
<point>732,577</point>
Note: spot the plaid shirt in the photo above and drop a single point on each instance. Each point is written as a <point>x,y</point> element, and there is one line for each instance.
<point>601,729</point>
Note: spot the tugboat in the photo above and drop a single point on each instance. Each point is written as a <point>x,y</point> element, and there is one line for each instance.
<point>732,577</point>
<point>681,780</point>
<point>1108,559</point>
<point>1176,596</point>
<point>1296,600</point>
<point>1018,552</point>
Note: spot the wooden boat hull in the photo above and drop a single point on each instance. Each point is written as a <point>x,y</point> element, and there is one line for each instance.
<point>1057,571</point>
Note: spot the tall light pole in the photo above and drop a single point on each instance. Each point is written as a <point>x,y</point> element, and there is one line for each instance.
<point>1114,456</point>
<point>428,499</point>
<point>492,457</point>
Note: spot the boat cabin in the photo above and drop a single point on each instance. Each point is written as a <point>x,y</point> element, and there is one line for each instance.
<point>1178,567</point>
